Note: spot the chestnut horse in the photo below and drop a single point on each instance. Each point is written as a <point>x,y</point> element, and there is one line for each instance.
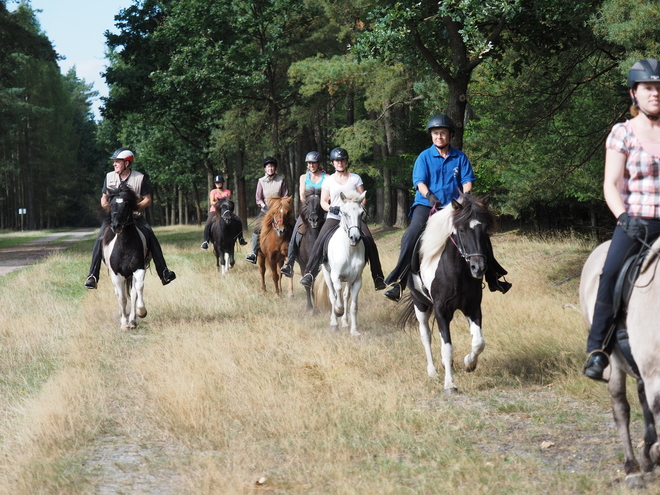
<point>276,230</point>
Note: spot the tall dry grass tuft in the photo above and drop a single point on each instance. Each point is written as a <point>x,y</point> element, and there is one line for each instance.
<point>225,389</point>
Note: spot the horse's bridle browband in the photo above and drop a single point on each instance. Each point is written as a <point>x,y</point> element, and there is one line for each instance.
<point>461,247</point>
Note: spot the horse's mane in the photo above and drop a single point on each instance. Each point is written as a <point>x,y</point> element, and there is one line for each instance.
<point>275,203</point>
<point>228,203</point>
<point>440,226</point>
<point>306,209</point>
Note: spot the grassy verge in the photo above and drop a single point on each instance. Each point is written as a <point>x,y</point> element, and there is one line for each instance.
<point>224,389</point>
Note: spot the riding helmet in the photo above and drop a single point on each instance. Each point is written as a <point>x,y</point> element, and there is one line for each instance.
<point>441,120</point>
<point>339,154</point>
<point>313,156</point>
<point>123,154</point>
<point>270,159</point>
<point>647,70</point>
<point>219,178</point>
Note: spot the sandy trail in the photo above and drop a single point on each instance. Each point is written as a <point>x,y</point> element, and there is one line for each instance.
<point>17,257</point>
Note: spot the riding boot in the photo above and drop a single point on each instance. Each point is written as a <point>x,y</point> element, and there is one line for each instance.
<point>241,239</point>
<point>165,275</point>
<point>97,258</point>
<point>292,255</point>
<point>494,272</point>
<point>374,263</point>
<point>252,257</point>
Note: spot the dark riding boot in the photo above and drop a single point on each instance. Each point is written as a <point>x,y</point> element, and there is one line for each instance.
<point>252,257</point>
<point>241,239</point>
<point>97,258</point>
<point>595,366</point>
<point>374,263</point>
<point>394,293</point>
<point>167,276</point>
<point>292,255</point>
<point>287,268</point>
<point>494,284</point>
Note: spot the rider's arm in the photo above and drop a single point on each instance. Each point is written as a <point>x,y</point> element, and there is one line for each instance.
<point>467,187</point>
<point>105,202</point>
<point>424,189</point>
<point>144,203</point>
<point>325,199</point>
<point>301,187</point>
<point>615,164</point>
<point>360,190</point>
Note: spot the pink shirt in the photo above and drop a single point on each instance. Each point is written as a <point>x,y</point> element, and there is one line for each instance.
<point>641,178</point>
<point>217,196</point>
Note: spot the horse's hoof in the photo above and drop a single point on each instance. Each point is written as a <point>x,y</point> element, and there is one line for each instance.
<point>289,296</point>
<point>469,368</point>
<point>355,333</point>
<point>142,312</point>
<point>125,328</point>
<point>334,328</point>
<point>451,391</point>
<point>339,313</point>
<point>132,325</point>
<point>635,481</point>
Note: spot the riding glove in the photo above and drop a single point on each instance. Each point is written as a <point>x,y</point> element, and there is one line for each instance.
<point>334,210</point>
<point>433,199</point>
<point>633,226</point>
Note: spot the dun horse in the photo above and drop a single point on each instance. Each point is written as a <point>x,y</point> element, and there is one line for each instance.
<point>447,276</point>
<point>643,330</point>
<point>126,256</point>
<point>345,261</point>
<point>224,231</point>
<point>276,230</point>
<point>313,217</point>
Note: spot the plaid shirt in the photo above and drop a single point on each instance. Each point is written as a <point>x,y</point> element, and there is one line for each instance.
<point>641,178</point>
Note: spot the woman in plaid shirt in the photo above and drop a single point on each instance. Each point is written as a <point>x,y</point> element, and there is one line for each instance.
<point>632,192</point>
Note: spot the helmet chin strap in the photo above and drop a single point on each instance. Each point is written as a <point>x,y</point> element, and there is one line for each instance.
<point>650,116</point>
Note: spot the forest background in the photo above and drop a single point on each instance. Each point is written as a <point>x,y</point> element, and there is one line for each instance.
<point>199,87</point>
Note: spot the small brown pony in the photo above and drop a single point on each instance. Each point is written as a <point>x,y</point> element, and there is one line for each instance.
<point>276,230</point>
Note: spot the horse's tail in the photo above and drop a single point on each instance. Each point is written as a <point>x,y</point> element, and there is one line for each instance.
<point>406,317</point>
<point>321,297</point>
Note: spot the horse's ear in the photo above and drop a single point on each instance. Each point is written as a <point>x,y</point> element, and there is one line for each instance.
<point>456,205</point>
<point>486,200</point>
<point>342,196</point>
<point>361,197</point>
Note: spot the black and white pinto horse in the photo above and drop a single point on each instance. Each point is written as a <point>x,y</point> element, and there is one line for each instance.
<point>224,232</point>
<point>447,275</point>
<point>643,329</point>
<point>126,255</point>
<point>313,217</point>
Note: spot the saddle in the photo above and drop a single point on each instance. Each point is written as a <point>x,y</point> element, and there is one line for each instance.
<point>622,290</point>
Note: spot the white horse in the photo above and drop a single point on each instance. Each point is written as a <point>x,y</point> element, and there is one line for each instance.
<point>346,260</point>
<point>643,327</point>
<point>125,254</point>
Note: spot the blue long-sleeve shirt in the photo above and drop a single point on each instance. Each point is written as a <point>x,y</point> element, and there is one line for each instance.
<point>441,175</point>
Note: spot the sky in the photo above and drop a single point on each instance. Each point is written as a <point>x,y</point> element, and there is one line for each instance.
<point>75,28</point>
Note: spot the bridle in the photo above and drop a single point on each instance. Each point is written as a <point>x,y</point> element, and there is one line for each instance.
<point>113,214</point>
<point>279,225</point>
<point>457,240</point>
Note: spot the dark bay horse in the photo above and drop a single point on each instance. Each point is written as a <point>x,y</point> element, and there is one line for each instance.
<point>126,255</point>
<point>276,230</point>
<point>447,275</point>
<point>313,217</point>
<point>224,232</point>
<point>643,330</point>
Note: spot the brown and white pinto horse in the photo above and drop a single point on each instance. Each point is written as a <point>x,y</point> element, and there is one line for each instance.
<point>276,230</point>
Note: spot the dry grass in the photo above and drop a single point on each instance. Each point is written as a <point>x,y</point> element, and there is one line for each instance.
<point>222,386</point>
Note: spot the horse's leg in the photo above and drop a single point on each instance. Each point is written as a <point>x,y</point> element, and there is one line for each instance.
<point>355,291</point>
<point>262,270</point>
<point>650,433</point>
<point>346,298</point>
<point>338,306</point>
<point>137,298</point>
<point>226,264</point>
<point>478,344</point>
<point>333,296</point>
<point>308,292</point>
<point>425,335</point>
<point>621,412</point>
<point>447,349</point>
<point>119,284</point>
<point>275,272</point>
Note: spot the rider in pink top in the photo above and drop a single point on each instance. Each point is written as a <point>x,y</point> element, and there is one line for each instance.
<point>214,196</point>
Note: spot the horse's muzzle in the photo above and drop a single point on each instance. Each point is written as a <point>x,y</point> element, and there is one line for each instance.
<point>478,266</point>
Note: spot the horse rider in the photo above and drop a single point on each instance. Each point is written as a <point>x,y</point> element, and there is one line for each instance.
<point>216,195</point>
<point>342,181</point>
<point>312,181</point>
<point>271,184</point>
<point>439,175</point>
<point>123,173</point>
<point>631,187</point>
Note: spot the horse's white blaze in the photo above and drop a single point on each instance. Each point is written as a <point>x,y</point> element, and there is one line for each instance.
<point>473,223</point>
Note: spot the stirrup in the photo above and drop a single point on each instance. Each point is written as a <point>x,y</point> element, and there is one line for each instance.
<point>91,282</point>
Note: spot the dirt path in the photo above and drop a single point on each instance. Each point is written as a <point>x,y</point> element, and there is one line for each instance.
<point>17,257</point>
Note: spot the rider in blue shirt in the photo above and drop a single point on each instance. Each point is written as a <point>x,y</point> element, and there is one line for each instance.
<point>440,174</point>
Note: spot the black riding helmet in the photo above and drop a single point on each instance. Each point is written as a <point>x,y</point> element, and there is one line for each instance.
<point>339,154</point>
<point>441,120</point>
<point>270,159</point>
<point>219,178</point>
<point>647,70</point>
